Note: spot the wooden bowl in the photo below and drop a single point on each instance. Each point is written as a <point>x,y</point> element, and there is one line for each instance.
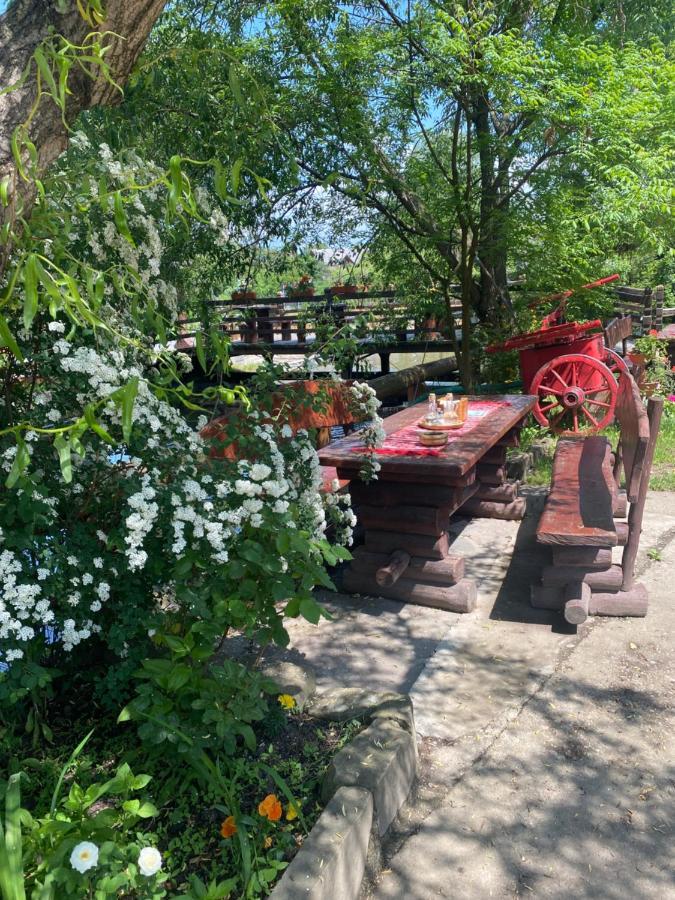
<point>433,438</point>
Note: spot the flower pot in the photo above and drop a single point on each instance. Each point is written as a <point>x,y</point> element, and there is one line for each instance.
<point>244,295</point>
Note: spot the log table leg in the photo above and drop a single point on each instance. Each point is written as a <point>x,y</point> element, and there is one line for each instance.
<point>496,497</point>
<point>406,552</point>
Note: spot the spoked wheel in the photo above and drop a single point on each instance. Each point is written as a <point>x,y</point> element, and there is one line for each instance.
<point>616,364</point>
<point>575,394</point>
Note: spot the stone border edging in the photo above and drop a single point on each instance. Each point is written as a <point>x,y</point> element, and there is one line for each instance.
<point>366,784</point>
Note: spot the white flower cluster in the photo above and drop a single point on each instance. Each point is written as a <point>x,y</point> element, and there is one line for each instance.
<point>366,407</point>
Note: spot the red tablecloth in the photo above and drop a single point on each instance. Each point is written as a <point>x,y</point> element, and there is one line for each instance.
<point>405,442</point>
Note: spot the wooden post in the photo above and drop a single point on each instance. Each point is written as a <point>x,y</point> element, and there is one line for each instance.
<point>654,412</point>
<point>389,574</point>
<point>384,363</point>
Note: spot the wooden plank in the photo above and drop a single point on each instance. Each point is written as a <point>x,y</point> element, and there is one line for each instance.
<point>621,533</point>
<point>605,580</point>
<point>488,474</point>
<point>460,597</point>
<point>414,477</point>
<point>632,417</point>
<point>655,411</point>
<point>500,493</point>
<point>585,557</point>
<point>448,570</point>
<point>415,519</point>
<point>414,544</point>
<point>495,456</point>
<point>578,510</point>
<point>577,598</point>
<point>633,602</point>
<point>490,509</point>
<point>457,458</point>
<point>387,493</point>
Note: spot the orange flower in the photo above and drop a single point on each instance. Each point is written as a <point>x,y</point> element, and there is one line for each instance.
<point>228,828</point>
<point>653,332</point>
<point>270,808</point>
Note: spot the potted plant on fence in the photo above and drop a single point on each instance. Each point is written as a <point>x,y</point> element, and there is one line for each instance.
<point>243,293</point>
<point>304,287</point>
<point>649,359</point>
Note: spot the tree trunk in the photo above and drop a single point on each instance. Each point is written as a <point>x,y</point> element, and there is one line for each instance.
<point>24,28</point>
<point>494,303</point>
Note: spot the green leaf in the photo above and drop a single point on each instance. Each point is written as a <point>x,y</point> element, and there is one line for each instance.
<point>121,217</point>
<point>7,339</point>
<point>11,854</point>
<point>30,283</point>
<point>235,85</point>
<point>63,448</point>
<point>235,175</point>
<point>20,464</point>
<point>310,610</point>
<point>4,190</point>
<point>126,397</point>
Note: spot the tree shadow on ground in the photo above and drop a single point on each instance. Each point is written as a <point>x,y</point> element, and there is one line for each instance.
<point>576,799</point>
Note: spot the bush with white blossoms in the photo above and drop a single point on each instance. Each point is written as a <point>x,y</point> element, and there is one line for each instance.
<point>130,533</point>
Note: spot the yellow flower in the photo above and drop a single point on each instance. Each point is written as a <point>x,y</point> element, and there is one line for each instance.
<point>267,842</point>
<point>287,701</point>
<point>291,812</point>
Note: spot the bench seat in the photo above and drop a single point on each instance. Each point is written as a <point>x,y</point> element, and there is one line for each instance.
<point>579,508</point>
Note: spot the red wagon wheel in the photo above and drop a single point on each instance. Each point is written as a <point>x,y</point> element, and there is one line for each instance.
<point>616,364</point>
<point>575,394</point>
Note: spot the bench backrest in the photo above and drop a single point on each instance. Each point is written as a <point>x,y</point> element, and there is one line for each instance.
<point>632,417</point>
<point>617,330</point>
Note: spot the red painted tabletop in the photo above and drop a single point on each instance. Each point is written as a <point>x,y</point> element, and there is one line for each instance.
<point>455,459</point>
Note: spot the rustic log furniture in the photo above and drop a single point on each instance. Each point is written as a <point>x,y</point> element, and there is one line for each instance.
<point>636,312</point>
<point>580,519</point>
<point>405,512</point>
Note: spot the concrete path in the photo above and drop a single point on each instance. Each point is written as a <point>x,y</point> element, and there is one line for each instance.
<point>545,751</point>
<point>575,796</point>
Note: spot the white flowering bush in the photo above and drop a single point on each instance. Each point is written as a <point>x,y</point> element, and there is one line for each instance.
<point>139,526</point>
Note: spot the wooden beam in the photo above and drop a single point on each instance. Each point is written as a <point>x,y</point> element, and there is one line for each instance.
<point>460,597</point>
<point>488,509</point>
<point>431,547</point>
<point>577,598</point>
<point>448,570</point>
<point>633,602</point>
<point>392,571</point>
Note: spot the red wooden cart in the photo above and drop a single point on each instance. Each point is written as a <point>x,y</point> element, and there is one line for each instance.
<point>569,369</point>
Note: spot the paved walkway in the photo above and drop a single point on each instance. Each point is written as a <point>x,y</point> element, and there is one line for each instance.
<point>544,750</point>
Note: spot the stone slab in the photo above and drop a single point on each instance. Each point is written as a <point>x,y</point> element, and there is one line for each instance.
<point>381,759</point>
<point>342,704</point>
<point>332,860</point>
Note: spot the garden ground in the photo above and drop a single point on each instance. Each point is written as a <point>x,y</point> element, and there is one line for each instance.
<point>545,752</point>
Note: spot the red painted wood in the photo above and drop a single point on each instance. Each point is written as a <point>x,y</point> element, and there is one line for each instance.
<point>578,510</point>
<point>457,458</point>
<point>632,417</point>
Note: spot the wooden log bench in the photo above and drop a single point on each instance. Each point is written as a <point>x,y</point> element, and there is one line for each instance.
<point>579,521</point>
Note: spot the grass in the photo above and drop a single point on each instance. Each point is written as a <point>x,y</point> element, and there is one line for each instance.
<point>663,469</point>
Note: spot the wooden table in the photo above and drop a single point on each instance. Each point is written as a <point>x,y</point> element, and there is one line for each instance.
<point>406,511</point>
